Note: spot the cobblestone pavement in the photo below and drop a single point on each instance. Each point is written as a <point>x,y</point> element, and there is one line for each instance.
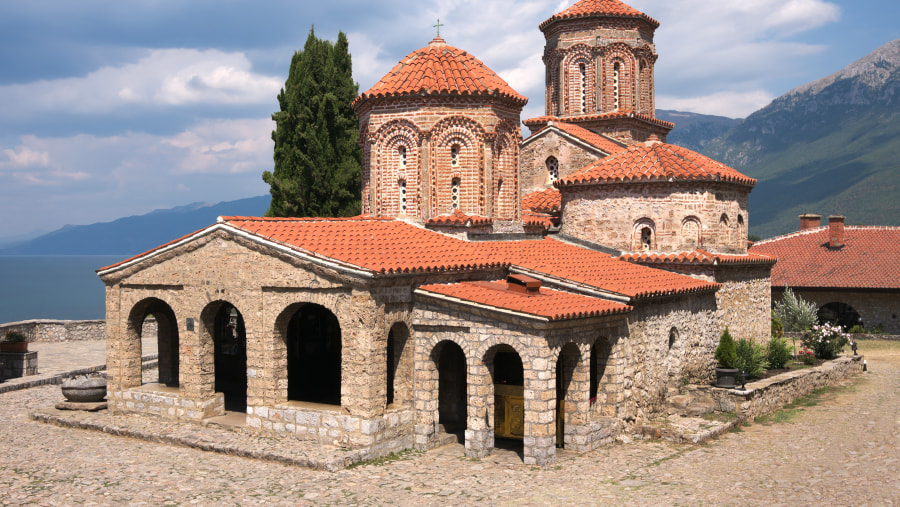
<point>841,451</point>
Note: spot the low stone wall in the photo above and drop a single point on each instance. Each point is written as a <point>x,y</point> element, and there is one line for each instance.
<point>377,437</point>
<point>768,395</point>
<point>48,330</point>
<point>165,402</point>
<point>857,336</point>
<point>14,365</point>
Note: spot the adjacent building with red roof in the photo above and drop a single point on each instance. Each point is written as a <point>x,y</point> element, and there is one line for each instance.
<point>447,310</point>
<point>849,272</point>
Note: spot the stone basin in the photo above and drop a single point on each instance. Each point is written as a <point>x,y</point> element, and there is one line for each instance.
<point>83,389</point>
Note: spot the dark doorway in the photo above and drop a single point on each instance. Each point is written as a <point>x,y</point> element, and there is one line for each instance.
<point>841,313</point>
<point>155,314</point>
<point>452,408</point>
<point>230,340</point>
<point>509,394</point>
<point>314,356</point>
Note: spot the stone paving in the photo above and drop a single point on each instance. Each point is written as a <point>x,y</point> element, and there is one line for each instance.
<point>841,451</point>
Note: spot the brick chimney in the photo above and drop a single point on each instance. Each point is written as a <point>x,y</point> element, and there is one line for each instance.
<point>810,221</point>
<point>523,284</point>
<point>836,231</point>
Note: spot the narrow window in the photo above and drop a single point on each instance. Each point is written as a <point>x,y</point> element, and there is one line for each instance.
<point>454,155</point>
<point>646,238</point>
<point>583,88</point>
<point>402,185</point>
<point>552,169</point>
<point>402,151</point>
<point>616,69</point>
<point>454,193</point>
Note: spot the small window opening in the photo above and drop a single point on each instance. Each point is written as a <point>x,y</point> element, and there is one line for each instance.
<point>402,185</point>
<point>454,155</point>
<point>583,87</point>
<point>454,193</point>
<point>616,69</point>
<point>646,238</point>
<point>402,151</point>
<point>552,169</point>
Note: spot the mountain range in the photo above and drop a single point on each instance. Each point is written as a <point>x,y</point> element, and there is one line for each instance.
<point>831,146</point>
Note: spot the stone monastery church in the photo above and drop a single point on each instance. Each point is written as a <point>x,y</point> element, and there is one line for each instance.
<point>553,290</point>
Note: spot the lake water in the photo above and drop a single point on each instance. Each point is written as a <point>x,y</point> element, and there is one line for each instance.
<point>53,287</point>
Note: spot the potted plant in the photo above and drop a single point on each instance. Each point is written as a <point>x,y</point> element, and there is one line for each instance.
<point>14,342</point>
<point>726,355</point>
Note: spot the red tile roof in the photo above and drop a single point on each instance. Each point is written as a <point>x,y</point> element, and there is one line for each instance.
<point>698,256</point>
<point>618,115</point>
<point>542,220</point>
<point>598,141</point>
<point>384,246</point>
<point>591,8</point>
<point>440,69</point>
<point>655,162</point>
<point>868,259</point>
<point>546,201</point>
<point>459,219</point>
<point>550,304</point>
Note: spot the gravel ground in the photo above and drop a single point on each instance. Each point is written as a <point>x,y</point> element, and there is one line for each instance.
<point>841,450</point>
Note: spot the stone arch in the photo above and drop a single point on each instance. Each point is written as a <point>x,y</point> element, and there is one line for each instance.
<point>397,169</point>
<point>691,232</point>
<point>399,362</point>
<point>568,388</point>
<point>167,341</point>
<point>505,171</point>
<point>451,365</point>
<point>308,353</point>
<point>507,377</point>
<point>466,137</point>
<point>643,235</point>
<point>223,337</point>
<point>579,80</point>
<point>843,314</point>
<point>603,388</point>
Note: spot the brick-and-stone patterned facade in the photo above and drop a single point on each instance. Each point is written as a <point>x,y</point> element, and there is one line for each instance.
<point>435,316</point>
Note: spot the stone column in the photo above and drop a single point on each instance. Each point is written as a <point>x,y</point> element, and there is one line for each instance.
<point>480,410</point>
<point>540,406</point>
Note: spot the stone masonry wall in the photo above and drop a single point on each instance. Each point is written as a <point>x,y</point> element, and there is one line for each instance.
<point>874,308</point>
<point>533,160</point>
<point>44,330</point>
<point>681,216</point>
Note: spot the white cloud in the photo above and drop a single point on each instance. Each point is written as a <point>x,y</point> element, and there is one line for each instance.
<point>171,77</point>
<point>728,103</point>
<point>23,157</point>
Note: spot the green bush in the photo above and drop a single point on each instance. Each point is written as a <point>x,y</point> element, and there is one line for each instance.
<point>751,358</point>
<point>725,352</point>
<point>826,341</point>
<point>857,329</point>
<point>778,352</point>
<point>795,313</point>
<point>777,326</point>
<point>15,337</point>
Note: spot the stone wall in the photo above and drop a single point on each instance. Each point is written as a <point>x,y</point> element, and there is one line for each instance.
<point>874,308</point>
<point>15,365</point>
<point>682,216</point>
<point>767,395</point>
<point>571,157</point>
<point>45,330</point>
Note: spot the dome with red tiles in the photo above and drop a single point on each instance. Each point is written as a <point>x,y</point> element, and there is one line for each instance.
<point>441,69</point>
<point>594,8</point>
<point>656,162</point>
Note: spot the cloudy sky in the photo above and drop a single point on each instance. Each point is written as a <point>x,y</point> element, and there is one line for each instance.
<point>117,108</point>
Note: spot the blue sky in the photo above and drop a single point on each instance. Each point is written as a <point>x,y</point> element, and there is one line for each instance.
<point>113,108</point>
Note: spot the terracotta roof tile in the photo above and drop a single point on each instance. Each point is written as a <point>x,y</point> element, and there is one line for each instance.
<point>598,141</point>
<point>867,260</point>
<point>655,162</point>
<point>540,121</point>
<point>542,220</point>
<point>459,219</point>
<point>546,201</point>
<point>696,257</point>
<point>440,69</point>
<point>591,8</point>
<point>385,246</point>
<point>550,304</point>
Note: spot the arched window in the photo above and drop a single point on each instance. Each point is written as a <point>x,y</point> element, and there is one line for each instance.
<point>454,155</point>
<point>552,169</point>
<point>690,231</point>
<point>402,151</point>
<point>454,193</point>
<point>402,186</point>
<point>582,87</point>
<point>617,68</point>
<point>643,235</point>
<point>646,238</point>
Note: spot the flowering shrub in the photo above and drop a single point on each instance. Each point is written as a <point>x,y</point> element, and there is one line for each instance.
<point>826,340</point>
<point>806,356</point>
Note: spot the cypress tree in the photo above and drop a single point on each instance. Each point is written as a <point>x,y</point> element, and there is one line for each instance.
<point>317,159</point>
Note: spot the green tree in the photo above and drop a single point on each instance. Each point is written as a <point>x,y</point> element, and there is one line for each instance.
<point>317,158</point>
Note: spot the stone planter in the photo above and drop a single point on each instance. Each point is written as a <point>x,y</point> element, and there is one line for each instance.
<point>14,347</point>
<point>84,389</point>
<point>725,377</point>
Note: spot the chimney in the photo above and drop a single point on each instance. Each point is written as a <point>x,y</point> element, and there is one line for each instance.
<point>836,231</point>
<point>523,284</point>
<point>810,221</point>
